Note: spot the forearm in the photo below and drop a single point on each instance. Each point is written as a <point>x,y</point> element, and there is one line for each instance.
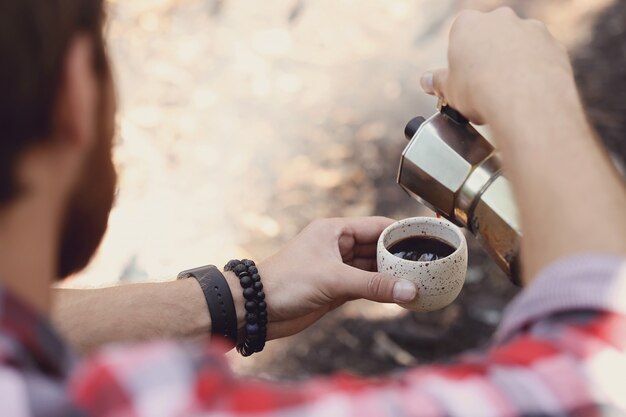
<point>570,196</point>
<point>135,312</point>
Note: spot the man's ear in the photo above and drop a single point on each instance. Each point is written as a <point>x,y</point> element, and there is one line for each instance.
<point>76,103</point>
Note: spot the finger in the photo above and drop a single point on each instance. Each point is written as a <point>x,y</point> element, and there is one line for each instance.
<point>364,230</point>
<point>537,24</point>
<point>365,264</point>
<point>434,82</point>
<point>367,250</point>
<point>354,283</point>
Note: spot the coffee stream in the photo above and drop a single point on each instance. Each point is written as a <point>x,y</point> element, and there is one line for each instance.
<point>421,249</point>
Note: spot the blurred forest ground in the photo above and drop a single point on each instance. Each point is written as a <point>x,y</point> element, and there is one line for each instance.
<point>241,121</point>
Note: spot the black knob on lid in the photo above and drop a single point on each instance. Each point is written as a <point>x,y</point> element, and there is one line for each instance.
<point>413,126</point>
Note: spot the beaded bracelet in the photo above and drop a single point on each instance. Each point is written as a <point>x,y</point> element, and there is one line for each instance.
<point>256,308</point>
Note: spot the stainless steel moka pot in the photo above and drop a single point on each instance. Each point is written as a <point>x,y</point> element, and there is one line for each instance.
<point>454,170</point>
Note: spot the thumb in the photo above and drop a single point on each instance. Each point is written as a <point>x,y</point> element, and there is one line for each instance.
<point>354,283</point>
<point>434,82</point>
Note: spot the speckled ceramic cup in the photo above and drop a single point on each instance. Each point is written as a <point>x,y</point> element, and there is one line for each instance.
<point>438,282</point>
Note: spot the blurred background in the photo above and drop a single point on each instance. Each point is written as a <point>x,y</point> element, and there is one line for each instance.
<point>241,121</point>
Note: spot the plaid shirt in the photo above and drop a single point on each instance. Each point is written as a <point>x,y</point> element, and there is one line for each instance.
<point>560,351</point>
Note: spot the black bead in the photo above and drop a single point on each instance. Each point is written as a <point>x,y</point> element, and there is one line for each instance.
<point>230,265</point>
<point>256,277</point>
<point>258,286</point>
<point>245,281</point>
<point>262,305</point>
<point>260,296</point>
<point>253,337</point>
<point>248,263</point>
<point>253,270</point>
<point>262,321</point>
<point>249,293</point>
<point>262,314</point>
<point>251,318</point>
<point>252,329</point>
<point>239,269</point>
<point>251,306</point>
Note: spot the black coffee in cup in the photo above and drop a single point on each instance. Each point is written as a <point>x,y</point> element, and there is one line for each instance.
<point>421,249</point>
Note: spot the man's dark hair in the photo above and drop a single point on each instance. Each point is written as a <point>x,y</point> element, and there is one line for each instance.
<point>34,40</point>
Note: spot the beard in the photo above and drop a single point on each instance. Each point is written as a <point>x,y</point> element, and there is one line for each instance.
<point>88,208</point>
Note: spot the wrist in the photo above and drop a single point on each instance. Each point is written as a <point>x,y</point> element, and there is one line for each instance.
<point>198,320</point>
<point>535,120</point>
<point>238,299</point>
<point>523,100</point>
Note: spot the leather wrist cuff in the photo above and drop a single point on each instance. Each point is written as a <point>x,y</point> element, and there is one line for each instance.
<point>219,300</point>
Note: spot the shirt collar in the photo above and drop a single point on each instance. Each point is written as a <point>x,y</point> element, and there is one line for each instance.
<point>32,341</point>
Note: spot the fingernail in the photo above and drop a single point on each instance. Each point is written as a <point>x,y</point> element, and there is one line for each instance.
<point>404,291</point>
<point>427,82</point>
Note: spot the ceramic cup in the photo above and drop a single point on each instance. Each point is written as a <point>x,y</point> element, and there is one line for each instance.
<point>438,282</point>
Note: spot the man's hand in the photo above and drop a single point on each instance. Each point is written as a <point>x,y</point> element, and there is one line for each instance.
<point>496,59</point>
<point>513,75</point>
<point>330,262</point>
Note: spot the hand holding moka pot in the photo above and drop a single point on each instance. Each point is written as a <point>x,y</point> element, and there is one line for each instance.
<point>453,169</point>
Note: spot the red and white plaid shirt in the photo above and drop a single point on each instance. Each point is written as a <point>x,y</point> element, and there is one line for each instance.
<point>560,351</point>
